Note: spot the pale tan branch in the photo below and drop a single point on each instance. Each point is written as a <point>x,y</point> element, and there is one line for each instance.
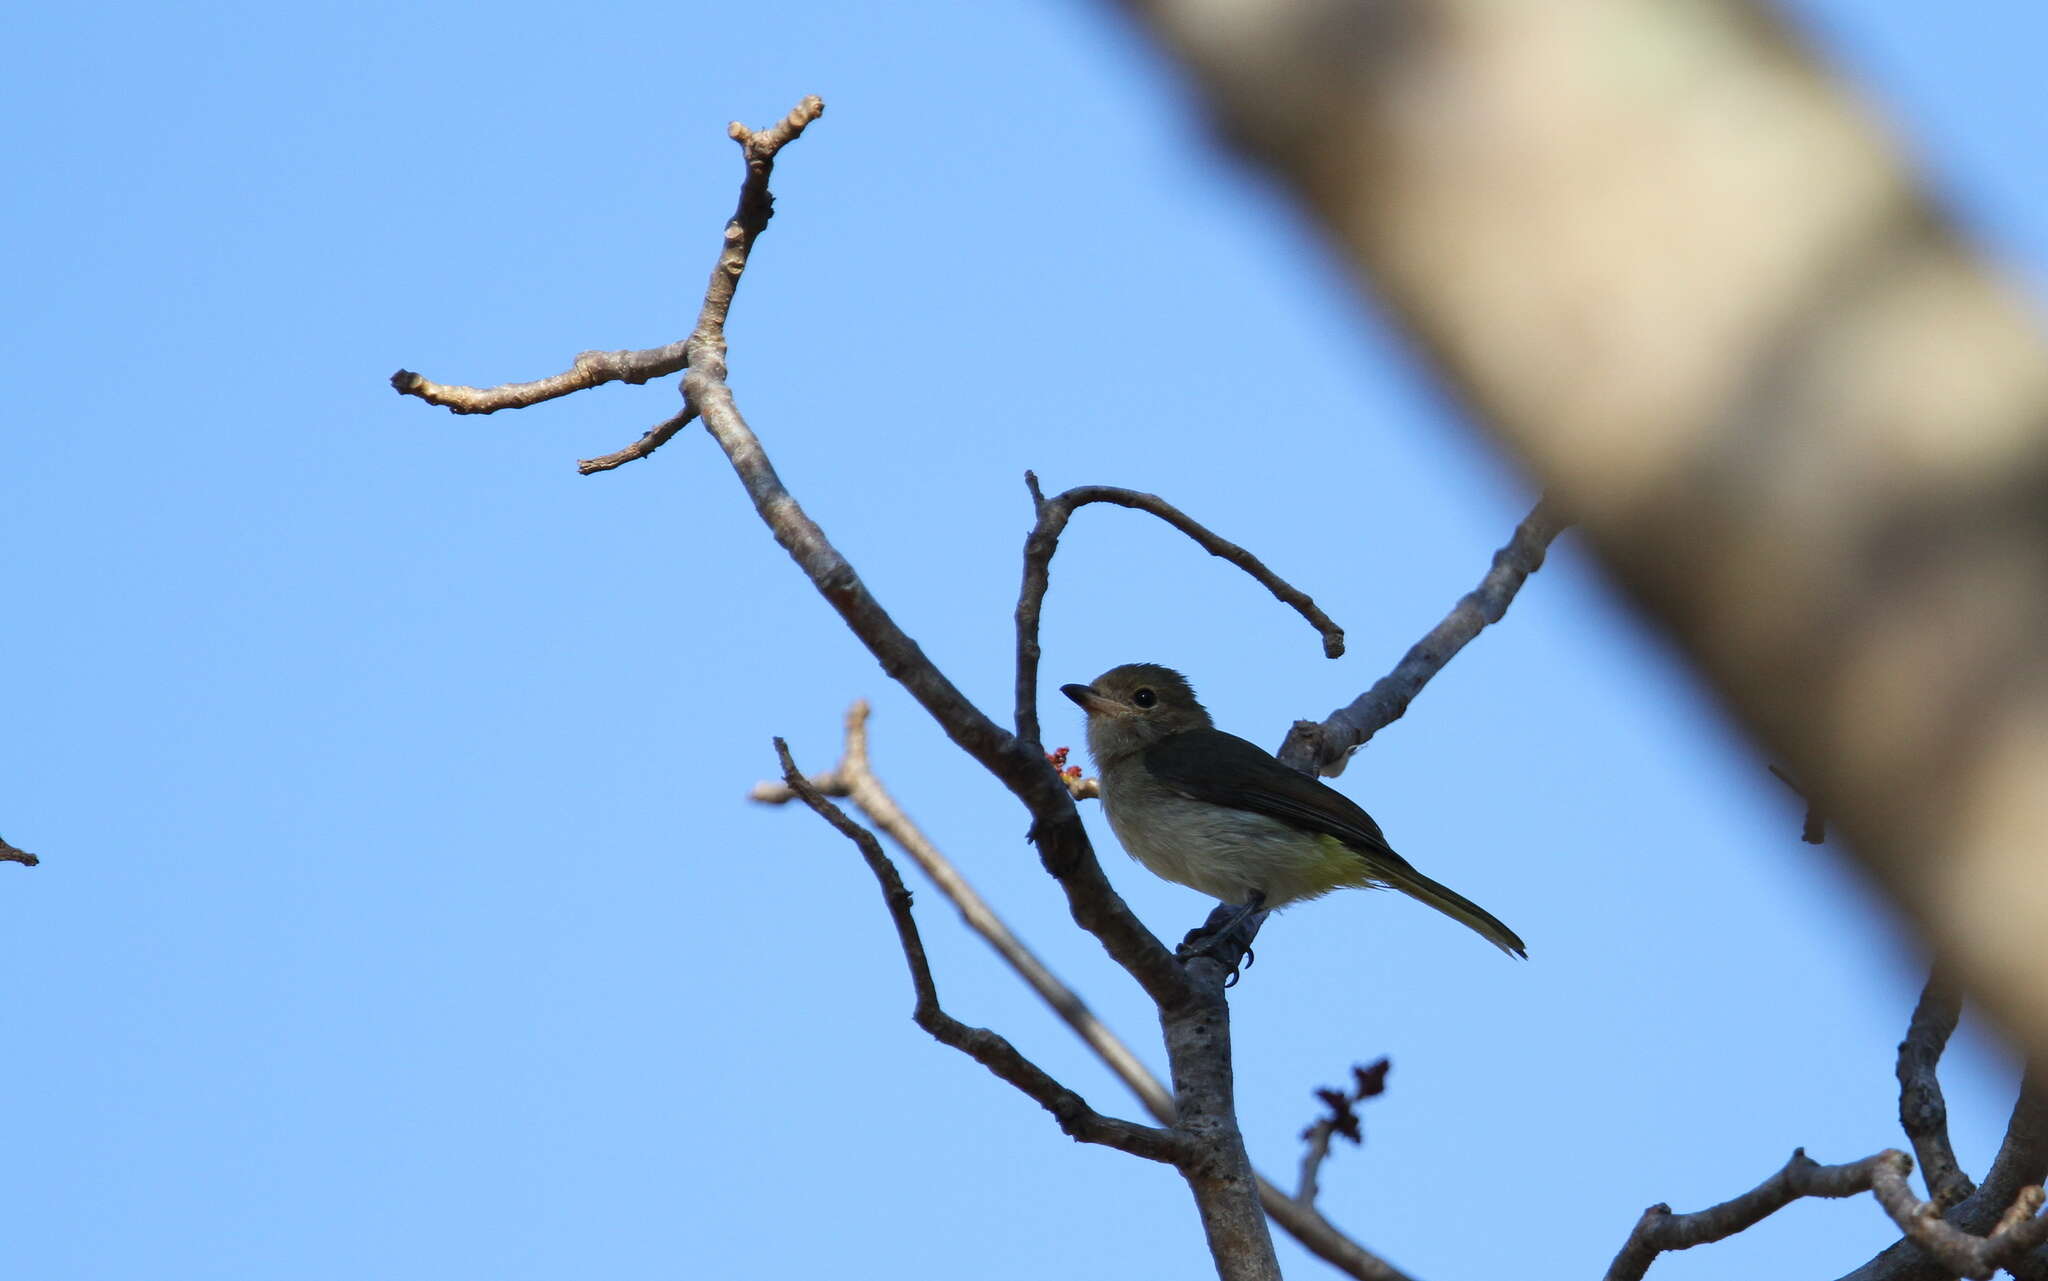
<point>854,779</point>
<point>988,1048</point>
<point>591,369</point>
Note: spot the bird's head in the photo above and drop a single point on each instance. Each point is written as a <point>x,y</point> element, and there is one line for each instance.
<point>1134,706</point>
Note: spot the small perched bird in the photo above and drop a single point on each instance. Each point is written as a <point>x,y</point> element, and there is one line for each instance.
<point>1217,814</point>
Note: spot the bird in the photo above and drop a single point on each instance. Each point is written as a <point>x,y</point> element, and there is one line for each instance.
<point>1217,814</point>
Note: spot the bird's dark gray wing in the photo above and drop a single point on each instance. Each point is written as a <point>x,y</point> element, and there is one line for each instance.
<point>1223,769</point>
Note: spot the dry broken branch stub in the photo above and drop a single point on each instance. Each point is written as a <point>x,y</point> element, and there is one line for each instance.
<point>1367,1081</point>
<point>10,854</point>
<point>1660,1230</point>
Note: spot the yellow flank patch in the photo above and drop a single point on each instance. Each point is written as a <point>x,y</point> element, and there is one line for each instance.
<point>1336,866</point>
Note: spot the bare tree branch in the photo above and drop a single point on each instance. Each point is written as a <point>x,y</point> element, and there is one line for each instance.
<point>1923,1114</point>
<point>2015,1231</point>
<point>987,1048</point>
<point>855,779</point>
<point>591,369</point>
<point>1056,825</point>
<point>1660,1230</point>
<point>9,854</point>
<point>1999,1207</point>
<point>1193,1013</point>
<point>749,220</point>
<point>1325,748</point>
<point>1053,515</point>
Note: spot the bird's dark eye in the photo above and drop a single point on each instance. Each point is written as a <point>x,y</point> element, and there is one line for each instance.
<point>1144,698</point>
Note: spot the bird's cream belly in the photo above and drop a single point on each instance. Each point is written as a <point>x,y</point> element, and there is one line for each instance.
<point>1228,853</point>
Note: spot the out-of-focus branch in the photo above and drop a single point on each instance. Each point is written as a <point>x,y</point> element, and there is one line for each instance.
<point>1814,828</point>
<point>1325,748</point>
<point>854,779</point>
<point>1054,513</point>
<point>1808,437</point>
<point>985,1047</point>
<point>9,854</point>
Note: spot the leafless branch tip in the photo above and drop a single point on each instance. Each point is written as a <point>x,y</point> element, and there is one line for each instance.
<point>1052,517</point>
<point>1341,1118</point>
<point>1324,747</point>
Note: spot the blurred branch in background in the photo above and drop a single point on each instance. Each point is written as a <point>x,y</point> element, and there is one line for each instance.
<point>1679,271</point>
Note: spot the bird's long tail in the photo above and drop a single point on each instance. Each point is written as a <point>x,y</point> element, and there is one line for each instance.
<point>1454,905</point>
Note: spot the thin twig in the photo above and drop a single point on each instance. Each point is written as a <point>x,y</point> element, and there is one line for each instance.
<point>9,854</point>
<point>1340,1119</point>
<point>590,369</point>
<point>988,1048</point>
<point>1660,1230</point>
<point>1053,515</point>
<point>1923,1114</point>
<point>856,780</point>
<point>749,220</point>
<point>1325,748</point>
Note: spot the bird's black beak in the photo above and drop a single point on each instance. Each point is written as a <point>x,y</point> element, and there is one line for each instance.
<point>1081,694</point>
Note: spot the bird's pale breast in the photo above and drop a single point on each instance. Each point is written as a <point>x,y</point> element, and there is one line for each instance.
<point>1225,853</point>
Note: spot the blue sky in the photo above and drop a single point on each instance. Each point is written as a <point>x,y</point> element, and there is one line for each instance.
<point>402,915</point>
